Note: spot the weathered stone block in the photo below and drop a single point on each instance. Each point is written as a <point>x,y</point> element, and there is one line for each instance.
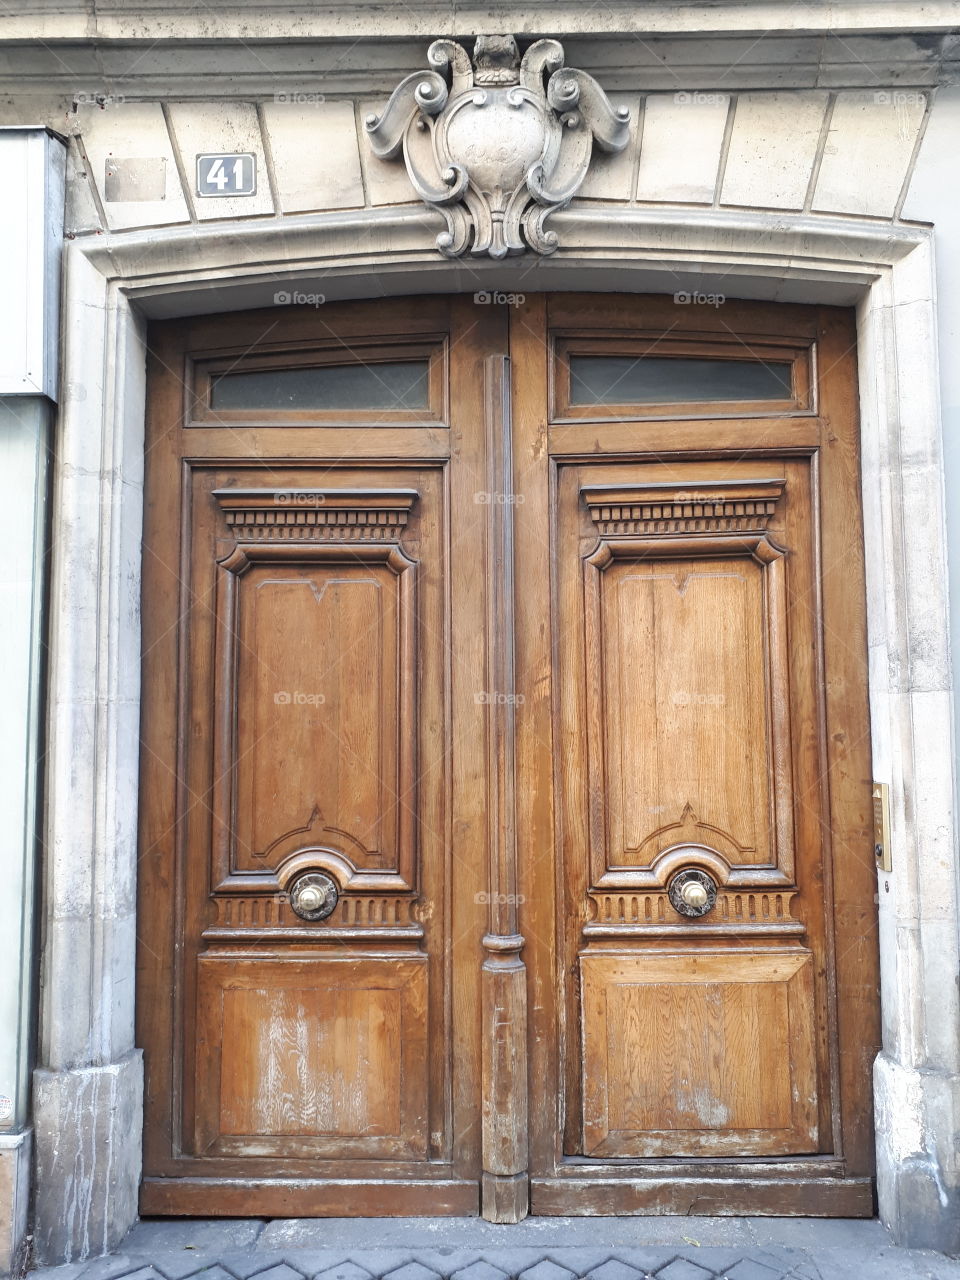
<point>14,1200</point>
<point>88,1124</point>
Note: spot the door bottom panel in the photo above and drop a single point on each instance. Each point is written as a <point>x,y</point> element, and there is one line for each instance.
<point>308,1198</point>
<point>707,1197</point>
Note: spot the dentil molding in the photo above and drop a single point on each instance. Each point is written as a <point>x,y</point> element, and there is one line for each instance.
<point>499,144</point>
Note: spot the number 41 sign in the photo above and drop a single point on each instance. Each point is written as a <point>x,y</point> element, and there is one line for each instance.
<point>231,174</point>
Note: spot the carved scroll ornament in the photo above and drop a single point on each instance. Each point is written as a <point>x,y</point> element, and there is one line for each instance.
<point>498,145</point>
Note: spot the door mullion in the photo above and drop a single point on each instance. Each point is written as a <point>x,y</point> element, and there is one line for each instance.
<point>505,1194</point>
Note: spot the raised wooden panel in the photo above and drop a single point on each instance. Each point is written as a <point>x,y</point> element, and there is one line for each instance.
<point>688,693</point>
<point>323,1056</point>
<point>316,650</point>
<point>698,1054</point>
<point>318,731</point>
<point>684,707</point>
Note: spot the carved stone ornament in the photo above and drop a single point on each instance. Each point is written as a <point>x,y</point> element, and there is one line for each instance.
<point>498,145</point>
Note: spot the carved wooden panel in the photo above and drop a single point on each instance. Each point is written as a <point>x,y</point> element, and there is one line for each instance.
<point>316,646</point>
<point>313,1056</point>
<point>708,1053</point>
<point>688,707</point>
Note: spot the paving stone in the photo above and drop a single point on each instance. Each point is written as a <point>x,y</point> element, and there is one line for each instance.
<point>539,1249</point>
<point>111,1267</point>
<point>154,1236</point>
<point>215,1272</point>
<point>684,1269</point>
<point>580,1260</point>
<point>546,1270</point>
<point>446,1261</point>
<point>480,1270</point>
<point>311,1262</point>
<point>346,1270</point>
<point>69,1271</point>
<point>751,1269</point>
<point>645,1260</point>
<point>513,1261</point>
<point>614,1269</point>
<point>280,1272</point>
<point>244,1263</point>
<point>412,1271</point>
<point>891,1264</point>
<point>184,1263</point>
<point>862,1234</point>
<point>716,1261</point>
<point>379,1262</point>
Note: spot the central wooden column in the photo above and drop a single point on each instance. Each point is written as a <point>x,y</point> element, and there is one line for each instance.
<point>505,1181</point>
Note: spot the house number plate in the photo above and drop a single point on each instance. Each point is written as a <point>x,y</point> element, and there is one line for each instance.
<point>233,173</point>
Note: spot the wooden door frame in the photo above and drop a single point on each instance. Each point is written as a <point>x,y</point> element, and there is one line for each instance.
<point>114,282</point>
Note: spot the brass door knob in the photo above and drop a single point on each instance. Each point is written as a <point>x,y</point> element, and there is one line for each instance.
<point>692,892</point>
<point>694,895</point>
<point>310,897</point>
<point>314,895</point>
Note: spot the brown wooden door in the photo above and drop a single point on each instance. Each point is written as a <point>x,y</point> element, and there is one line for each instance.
<point>697,715</point>
<point>408,815</point>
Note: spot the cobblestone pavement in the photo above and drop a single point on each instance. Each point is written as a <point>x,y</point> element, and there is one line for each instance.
<point>538,1249</point>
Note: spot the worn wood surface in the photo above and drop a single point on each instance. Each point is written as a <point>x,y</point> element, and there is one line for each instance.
<point>504,1193</point>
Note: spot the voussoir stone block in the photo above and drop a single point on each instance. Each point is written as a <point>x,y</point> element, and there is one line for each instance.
<point>773,146</point>
<point>313,146</point>
<point>210,128</point>
<point>680,146</point>
<point>868,151</point>
<point>132,164</point>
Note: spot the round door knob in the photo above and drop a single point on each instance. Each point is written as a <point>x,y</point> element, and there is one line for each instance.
<point>314,895</point>
<point>311,897</point>
<point>694,895</point>
<point>692,892</point>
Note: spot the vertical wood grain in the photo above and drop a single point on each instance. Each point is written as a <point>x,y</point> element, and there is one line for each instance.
<point>505,1195</point>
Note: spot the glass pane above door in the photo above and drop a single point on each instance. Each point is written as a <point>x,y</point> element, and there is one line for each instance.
<point>627,379</point>
<point>399,385</point>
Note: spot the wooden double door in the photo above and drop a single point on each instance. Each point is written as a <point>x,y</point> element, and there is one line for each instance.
<point>506,812</point>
